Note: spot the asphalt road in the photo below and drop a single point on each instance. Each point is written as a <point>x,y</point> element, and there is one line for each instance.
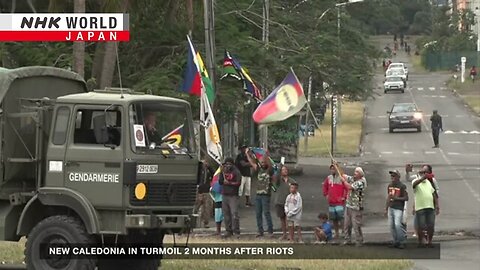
<point>456,163</point>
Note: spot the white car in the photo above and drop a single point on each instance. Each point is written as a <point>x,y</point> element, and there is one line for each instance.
<point>399,65</point>
<point>397,72</point>
<point>393,83</point>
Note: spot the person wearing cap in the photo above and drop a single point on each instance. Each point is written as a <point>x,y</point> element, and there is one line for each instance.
<point>245,169</point>
<point>436,126</point>
<point>356,186</point>
<point>335,192</point>
<point>397,195</point>
<point>230,179</point>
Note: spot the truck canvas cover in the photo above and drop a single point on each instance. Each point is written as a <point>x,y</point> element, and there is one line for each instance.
<point>20,88</point>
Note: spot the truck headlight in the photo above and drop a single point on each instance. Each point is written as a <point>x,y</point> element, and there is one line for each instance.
<point>392,116</point>
<point>417,116</point>
<point>140,191</point>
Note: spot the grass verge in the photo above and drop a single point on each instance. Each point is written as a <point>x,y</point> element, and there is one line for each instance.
<point>469,92</point>
<point>349,133</point>
<point>12,253</point>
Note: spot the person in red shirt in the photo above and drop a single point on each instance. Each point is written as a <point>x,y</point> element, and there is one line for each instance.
<point>336,193</point>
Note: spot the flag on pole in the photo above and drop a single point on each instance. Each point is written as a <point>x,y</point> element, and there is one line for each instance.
<point>207,83</point>
<point>192,81</point>
<point>215,185</point>
<point>229,69</point>
<point>249,85</point>
<point>175,136</point>
<point>212,137</point>
<point>285,100</point>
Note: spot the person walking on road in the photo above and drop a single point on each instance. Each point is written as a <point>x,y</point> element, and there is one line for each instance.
<point>283,189</point>
<point>436,126</point>
<point>230,179</point>
<point>426,205</point>
<point>245,169</point>
<point>394,209</point>
<point>336,193</point>
<point>473,73</point>
<point>356,186</point>
<point>264,172</point>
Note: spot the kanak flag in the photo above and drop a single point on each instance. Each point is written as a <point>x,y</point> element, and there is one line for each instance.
<point>192,79</point>
<point>285,100</point>
<point>174,136</point>
<point>66,27</point>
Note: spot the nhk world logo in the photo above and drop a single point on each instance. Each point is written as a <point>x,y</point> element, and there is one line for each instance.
<point>64,27</point>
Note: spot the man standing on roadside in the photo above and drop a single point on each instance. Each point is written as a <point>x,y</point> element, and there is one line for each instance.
<point>426,204</point>
<point>394,209</point>
<point>245,169</point>
<point>230,180</point>
<point>283,189</point>
<point>356,186</point>
<point>264,172</point>
<point>436,120</point>
<point>336,193</point>
<point>204,203</point>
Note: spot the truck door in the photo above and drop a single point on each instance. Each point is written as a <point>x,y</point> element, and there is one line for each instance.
<point>93,161</point>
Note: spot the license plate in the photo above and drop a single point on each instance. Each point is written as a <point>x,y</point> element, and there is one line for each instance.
<point>404,122</point>
<point>147,168</point>
<point>394,86</point>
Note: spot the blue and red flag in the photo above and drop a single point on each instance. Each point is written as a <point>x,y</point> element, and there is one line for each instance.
<point>260,153</point>
<point>192,81</point>
<point>215,185</point>
<point>284,101</point>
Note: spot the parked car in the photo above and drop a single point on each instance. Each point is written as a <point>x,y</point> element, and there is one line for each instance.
<point>404,115</point>
<point>393,83</point>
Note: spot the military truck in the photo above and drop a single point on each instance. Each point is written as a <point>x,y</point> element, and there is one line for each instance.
<point>81,167</point>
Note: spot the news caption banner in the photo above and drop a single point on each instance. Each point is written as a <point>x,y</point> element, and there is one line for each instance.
<point>66,27</point>
<point>239,251</point>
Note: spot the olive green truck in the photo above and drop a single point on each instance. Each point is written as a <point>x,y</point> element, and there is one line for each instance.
<point>79,167</point>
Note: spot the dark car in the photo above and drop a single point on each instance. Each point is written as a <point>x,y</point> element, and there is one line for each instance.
<point>404,115</point>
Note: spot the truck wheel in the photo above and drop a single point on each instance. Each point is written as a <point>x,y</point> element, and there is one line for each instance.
<point>57,230</point>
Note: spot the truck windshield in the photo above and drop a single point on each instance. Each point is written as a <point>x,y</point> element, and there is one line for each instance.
<point>163,128</point>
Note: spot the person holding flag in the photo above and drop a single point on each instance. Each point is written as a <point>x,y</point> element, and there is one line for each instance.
<point>230,179</point>
<point>265,173</point>
<point>216,194</point>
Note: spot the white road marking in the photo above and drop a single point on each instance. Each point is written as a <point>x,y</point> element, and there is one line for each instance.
<point>386,153</point>
<point>455,142</point>
<point>442,96</point>
<point>460,116</point>
<point>474,193</point>
<point>431,88</point>
<point>367,153</point>
<point>430,152</point>
<point>434,96</point>
<point>382,116</point>
<point>474,132</point>
<point>464,132</point>
<point>469,142</point>
<point>420,88</point>
<point>448,132</point>
<point>407,153</point>
<point>453,154</point>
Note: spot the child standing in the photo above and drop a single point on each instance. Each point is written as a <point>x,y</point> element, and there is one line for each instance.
<point>293,211</point>
<point>323,233</point>
<point>216,194</point>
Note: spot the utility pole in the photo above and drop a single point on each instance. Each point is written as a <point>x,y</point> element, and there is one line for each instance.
<point>265,36</point>
<point>309,99</point>
<point>334,124</point>
<point>209,18</point>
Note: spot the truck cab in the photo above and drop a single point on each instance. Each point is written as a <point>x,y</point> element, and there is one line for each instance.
<point>109,166</point>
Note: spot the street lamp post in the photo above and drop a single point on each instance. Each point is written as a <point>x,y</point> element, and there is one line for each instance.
<point>335,102</point>
<point>477,24</point>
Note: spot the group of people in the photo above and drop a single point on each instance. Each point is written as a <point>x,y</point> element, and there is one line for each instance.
<point>344,193</point>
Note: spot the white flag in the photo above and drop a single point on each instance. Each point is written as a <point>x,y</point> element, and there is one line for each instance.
<point>212,137</point>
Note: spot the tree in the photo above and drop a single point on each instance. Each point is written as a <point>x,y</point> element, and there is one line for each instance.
<point>79,46</point>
